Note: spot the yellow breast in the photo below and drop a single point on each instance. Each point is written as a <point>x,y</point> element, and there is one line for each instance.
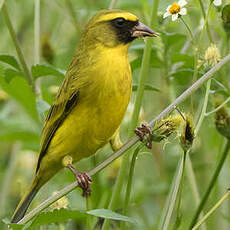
<point>101,108</point>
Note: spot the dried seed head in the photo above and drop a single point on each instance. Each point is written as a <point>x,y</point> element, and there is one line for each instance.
<point>222,118</point>
<point>187,135</point>
<point>166,127</point>
<point>212,55</point>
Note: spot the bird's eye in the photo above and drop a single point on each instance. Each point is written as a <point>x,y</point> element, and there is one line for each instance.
<point>119,22</point>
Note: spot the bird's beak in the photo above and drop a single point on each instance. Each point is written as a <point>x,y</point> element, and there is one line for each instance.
<point>141,30</point>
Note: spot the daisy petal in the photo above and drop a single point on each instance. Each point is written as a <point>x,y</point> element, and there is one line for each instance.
<point>168,7</point>
<point>166,14</point>
<point>182,3</point>
<point>183,11</point>
<point>174,17</point>
<point>217,2</point>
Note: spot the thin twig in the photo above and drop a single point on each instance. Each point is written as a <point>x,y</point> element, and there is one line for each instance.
<point>218,107</point>
<point>129,143</point>
<point>28,76</point>
<point>212,210</point>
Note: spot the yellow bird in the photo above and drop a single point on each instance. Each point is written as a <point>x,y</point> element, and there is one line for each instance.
<point>92,101</point>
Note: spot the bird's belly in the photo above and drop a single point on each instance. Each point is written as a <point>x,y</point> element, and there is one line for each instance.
<point>91,124</point>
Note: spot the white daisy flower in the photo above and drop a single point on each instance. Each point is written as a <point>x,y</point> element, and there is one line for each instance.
<point>176,9</point>
<point>217,2</point>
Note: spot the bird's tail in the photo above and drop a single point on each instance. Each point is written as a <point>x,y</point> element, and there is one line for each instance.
<point>25,202</point>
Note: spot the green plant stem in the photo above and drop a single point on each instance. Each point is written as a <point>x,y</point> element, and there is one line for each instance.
<point>171,200</point>
<point>72,14</point>
<point>5,186</point>
<point>188,29</point>
<point>212,210</point>
<point>89,217</point>
<point>204,108</point>
<point>218,107</point>
<point>207,25</point>
<point>139,98</point>
<point>1,4</point>
<point>129,143</point>
<point>178,215</point>
<point>211,184</point>
<point>112,4</point>
<point>36,32</point>
<point>129,184</point>
<point>27,75</point>
<point>37,41</point>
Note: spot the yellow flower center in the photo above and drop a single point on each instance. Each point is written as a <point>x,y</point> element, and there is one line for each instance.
<point>175,8</point>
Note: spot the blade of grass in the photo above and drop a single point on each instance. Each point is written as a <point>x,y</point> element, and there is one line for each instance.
<point>28,76</point>
<point>213,209</point>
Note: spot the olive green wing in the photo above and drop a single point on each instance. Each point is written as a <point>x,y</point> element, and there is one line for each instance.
<point>64,102</point>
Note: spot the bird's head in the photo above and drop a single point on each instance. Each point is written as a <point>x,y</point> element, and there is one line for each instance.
<point>115,27</point>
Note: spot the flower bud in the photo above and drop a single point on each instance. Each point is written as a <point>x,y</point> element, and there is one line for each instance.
<point>187,135</point>
<point>222,118</point>
<point>212,56</point>
<point>166,127</point>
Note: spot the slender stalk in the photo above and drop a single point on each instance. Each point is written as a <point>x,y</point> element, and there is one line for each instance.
<point>36,31</point>
<point>178,216</point>
<point>211,184</point>
<point>8,177</point>
<point>139,98</point>
<point>28,76</point>
<point>37,41</point>
<point>89,217</point>
<point>207,25</point>
<point>204,108</point>
<point>188,29</point>
<point>1,3</point>
<point>218,107</point>
<point>212,210</point>
<point>173,196</point>
<point>129,184</point>
<point>129,143</point>
<point>72,14</point>
<point>112,4</point>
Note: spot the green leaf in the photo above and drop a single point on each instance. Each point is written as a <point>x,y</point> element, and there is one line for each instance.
<point>108,214</point>
<point>147,87</point>
<point>182,76</point>
<point>19,89</point>
<point>173,39</point>
<point>46,70</point>
<point>13,226</point>
<point>9,74</point>
<point>186,60</point>
<point>10,60</point>
<point>56,216</point>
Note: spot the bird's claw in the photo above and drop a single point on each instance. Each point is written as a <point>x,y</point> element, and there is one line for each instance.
<point>84,181</point>
<point>144,132</point>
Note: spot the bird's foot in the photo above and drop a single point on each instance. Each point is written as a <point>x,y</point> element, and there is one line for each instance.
<point>144,132</point>
<point>83,179</point>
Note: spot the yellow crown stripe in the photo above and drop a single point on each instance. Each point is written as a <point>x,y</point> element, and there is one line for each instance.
<point>125,15</point>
